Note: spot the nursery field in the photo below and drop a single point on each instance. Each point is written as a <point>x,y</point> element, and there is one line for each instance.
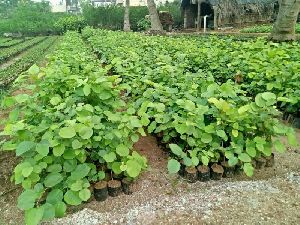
<point>171,120</point>
<point>17,55</point>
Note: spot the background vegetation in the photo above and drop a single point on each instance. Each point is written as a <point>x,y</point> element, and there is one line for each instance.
<point>36,18</point>
<point>265,28</point>
<point>30,19</point>
<point>112,17</point>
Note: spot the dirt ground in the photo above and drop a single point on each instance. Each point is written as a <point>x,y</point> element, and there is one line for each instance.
<point>271,196</point>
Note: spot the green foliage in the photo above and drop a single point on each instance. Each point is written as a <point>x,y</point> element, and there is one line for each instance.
<point>209,116</point>
<point>263,29</point>
<point>109,17</point>
<point>112,17</point>
<point>8,42</point>
<point>12,51</point>
<point>68,136</point>
<point>143,24</point>
<point>33,18</point>
<point>70,23</point>
<point>183,90</point>
<point>174,8</point>
<point>10,73</point>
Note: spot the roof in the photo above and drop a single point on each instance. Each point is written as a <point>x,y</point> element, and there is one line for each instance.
<point>185,3</point>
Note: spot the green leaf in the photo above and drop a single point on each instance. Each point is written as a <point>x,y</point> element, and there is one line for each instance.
<point>21,98</point>
<point>251,151</point>
<point>76,144</point>
<point>189,105</point>
<point>67,132</point>
<point>144,121</point>
<point>58,150</point>
<point>133,168</point>
<point>14,114</point>
<point>24,147</point>
<point>123,167</point>
<point>34,70</point>
<point>235,133</point>
<point>104,95</point>
<point>248,169</point>
<point>259,101</point>
<point>54,196</point>
<point>116,167</point>
<point>85,132</point>
<point>131,111</point>
<point>222,134</point>
<point>206,138</point>
<point>8,146</point>
<point>26,184</point>
<point>195,161</point>
<point>134,138</point>
<point>269,97</point>
<point>60,209</point>
<point>27,171</point>
<point>152,126</point>
<point>244,157</point>
<point>292,138</point>
<point>122,150</point>
<point>175,149</point>
<point>135,122</point>
<point>160,107</point>
<point>109,157</point>
<point>232,161</point>
<point>204,160</point>
<point>243,109</point>
<point>181,128</point>
<point>55,100</point>
<point>187,161</point>
<point>70,165</point>
<point>49,211</point>
<point>53,179</point>
<point>81,171</point>
<point>84,194</point>
<point>70,154</point>
<point>87,90</point>
<point>34,216</point>
<point>173,166</point>
<point>43,148</point>
<point>8,101</point>
<point>72,198</point>
<point>27,199</point>
<point>279,146</point>
<point>54,168</point>
<point>77,186</point>
<point>101,175</point>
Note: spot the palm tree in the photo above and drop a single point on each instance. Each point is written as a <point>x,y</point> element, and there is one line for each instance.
<point>126,16</point>
<point>154,18</point>
<point>284,27</point>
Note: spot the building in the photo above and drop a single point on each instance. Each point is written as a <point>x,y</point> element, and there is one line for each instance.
<point>59,7</point>
<point>68,6</point>
<point>98,3</point>
<point>222,13</point>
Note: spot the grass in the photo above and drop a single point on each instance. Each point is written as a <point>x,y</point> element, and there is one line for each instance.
<point>266,28</point>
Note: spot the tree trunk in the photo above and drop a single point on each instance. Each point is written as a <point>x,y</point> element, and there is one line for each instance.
<point>284,27</point>
<point>154,18</point>
<point>126,16</point>
<point>199,15</point>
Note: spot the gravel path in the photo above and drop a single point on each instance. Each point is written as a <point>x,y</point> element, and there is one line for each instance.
<point>272,197</point>
<point>273,201</point>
